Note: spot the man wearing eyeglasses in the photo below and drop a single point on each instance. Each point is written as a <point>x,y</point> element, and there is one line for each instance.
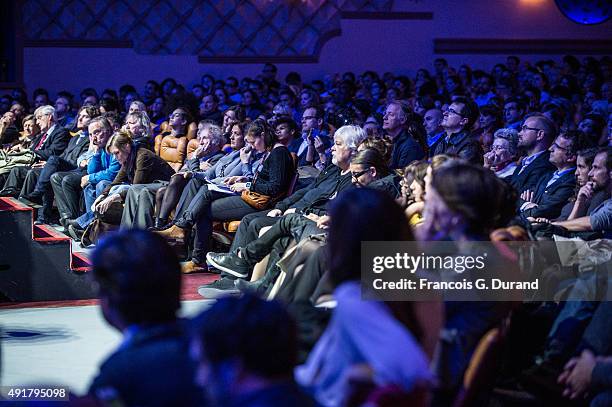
<point>457,121</point>
<point>551,193</point>
<point>535,138</point>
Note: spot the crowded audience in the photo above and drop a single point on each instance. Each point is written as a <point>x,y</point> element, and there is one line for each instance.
<point>274,183</point>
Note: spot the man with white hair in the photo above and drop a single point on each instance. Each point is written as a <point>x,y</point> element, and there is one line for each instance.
<point>52,140</point>
<point>310,201</point>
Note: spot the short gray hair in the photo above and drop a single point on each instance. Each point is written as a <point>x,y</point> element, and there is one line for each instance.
<point>351,135</point>
<point>511,136</point>
<point>215,133</point>
<point>48,109</point>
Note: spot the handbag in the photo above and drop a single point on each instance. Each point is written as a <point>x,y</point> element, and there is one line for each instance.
<point>257,200</point>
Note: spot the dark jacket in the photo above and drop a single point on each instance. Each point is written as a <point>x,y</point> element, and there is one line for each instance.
<point>323,183</point>
<point>147,167</point>
<point>55,143</point>
<point>462,145</point>
<point>532,174</point>
<point>389,184</point>
<point>276,174</point>
<point>551,199</point>
<point>405,151</point>
<point>9,136</point>
<point>314,197</point>
<point>152,369</point>
<point>76,146</point>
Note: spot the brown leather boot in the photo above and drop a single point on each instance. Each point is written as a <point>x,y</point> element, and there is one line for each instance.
<point>191,267</point>
<point>173,233</point>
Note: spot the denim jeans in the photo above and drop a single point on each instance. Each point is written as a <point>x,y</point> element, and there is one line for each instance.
<point>91,192</point>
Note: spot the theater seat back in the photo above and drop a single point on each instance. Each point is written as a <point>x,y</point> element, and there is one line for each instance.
<point>171,149</point>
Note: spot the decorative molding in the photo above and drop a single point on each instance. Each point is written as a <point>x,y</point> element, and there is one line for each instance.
<point>215,31</point>
<point>386,15</point>
<point>77,44</point>
<point>522,46</point>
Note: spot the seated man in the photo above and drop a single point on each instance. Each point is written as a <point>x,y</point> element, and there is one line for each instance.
<point>406,148</point>
<point>584,161</point>
<point>248,359</point>
<point>310,201</point>
<point>102,168</point>
<point>140,199</point>
<point>551,193</point>
<point>457,121</point>
<point>600,219</point>
<point>37,185</point>
<point>535,137</point>
<point>51,141</point>
<point>139,282</point>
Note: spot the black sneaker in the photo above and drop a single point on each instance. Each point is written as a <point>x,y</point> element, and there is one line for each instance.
<point>230,263</point>
<point>75,233</point>
<point>221,288</point>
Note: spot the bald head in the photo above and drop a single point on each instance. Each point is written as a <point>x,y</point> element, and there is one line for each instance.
<point>432,120</point>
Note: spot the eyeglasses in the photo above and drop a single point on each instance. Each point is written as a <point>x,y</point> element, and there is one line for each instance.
<point>555,145</point>
<point>524,127</point>
<point>356,175</point>
<point>453,111</point>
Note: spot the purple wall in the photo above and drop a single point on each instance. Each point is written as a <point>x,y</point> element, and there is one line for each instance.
<point>382,45</point>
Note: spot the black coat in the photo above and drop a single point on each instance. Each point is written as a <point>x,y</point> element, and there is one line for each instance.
<point>551,199</point>
<point>532,174</point>
<point>462,145</point>
<point>76,146</point>
<point>405,150</point>
<point>55,144</point>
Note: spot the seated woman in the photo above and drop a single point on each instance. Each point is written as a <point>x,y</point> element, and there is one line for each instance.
<point>139,165</point>
<point>362,332</point>
<point>503,154</point>
<point>270,182</point>
<point>367,169</point>
<point>206,157</point>
<point>416,200</point>
<point>464,204</point>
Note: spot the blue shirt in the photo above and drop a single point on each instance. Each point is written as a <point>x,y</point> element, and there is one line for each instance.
<point>558,174</point>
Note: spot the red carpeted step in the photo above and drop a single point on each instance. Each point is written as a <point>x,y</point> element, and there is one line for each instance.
<point>46,234</point>
<point>79,262</point>
<point>13,205</point>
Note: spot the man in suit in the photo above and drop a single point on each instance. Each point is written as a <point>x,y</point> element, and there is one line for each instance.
<point>552,192</point>
<point>139,280</point>
<point>535,137</point>
<point>52,140</point>
<point>37,188</point>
